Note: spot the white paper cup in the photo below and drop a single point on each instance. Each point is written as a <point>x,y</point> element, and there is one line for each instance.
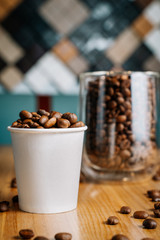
<point>47,165</point>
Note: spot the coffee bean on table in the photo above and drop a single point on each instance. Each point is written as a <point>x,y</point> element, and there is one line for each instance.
<point>4,206</point>
<point>156,177</point>
<point>156,199</point>
<point>157,205</point>
<point>140,215</point>
<point>41,238</point>
<point>13,183</point>
<point>149,223</point>
<point>112,220</point>
<point>25,114</point>
<point>125,210</point>
<point>146,238</point>
<point>120,237</point>
<point>26,233</point>
<point>15,199</point>
<point>157,213</point>
<point>153,193</point>
<point>63,236</point>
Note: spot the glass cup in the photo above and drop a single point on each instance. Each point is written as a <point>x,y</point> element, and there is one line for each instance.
<point>119,109</point>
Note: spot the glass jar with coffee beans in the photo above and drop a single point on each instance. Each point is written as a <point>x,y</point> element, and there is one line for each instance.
<point>120,112</point>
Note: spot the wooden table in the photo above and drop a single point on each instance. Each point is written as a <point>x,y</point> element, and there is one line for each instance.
<point>96,203</point>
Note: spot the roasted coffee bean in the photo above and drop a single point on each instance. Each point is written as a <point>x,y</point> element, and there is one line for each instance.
<point>14,124</point>
<point>146,238</point>
<point>140,215</point>
<point>4,206</point>
<point>157,205</point>
<point>63,236</point>
<point>121,118</point>
<point>72,117</point>
<point>120,100</point>
<point>15,199</point>
<point>56,114</point>
<point>112,104</point>
<point>153,193</point>
<point>157,213</point>
<point>50,123</point>
<point>25,114</point>
<point>156,177</point>
<point>26,233</point>
<point>77,124</point>
<point>156,199</point>
<point>63,123</point>
<point>149,223</point>
<point>120,127</point>
<point>125,210</point>
<point>25,125</point>
<point>41,238</point>
<point>35,114</point>
<point>125,154</point>
<point>112,220</point>
<point>43,112</point>
<point>14,183</point>
<point>34,125</point>
<point>43,119</point>
<point>28,121</point>
<point>120,237</point>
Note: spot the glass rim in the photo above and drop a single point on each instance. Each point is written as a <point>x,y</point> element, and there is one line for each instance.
<point>100,73</point>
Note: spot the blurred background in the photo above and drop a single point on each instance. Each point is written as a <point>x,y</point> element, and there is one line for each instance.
<point>45,44</point>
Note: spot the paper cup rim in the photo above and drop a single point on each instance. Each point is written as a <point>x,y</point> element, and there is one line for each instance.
<point>56,130</point>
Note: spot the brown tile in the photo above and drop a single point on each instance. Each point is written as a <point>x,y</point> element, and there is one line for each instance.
<point>142,26</point>
<point>9,49</point>
<point>10,4</point>
<point>123,47</point>
<point>10,77</point>
<point>65,50</point>
<point>78,65</point>
<point>143,3</point>
<point>151,64</point>
<point>3,12</point>
<point>64,15</point>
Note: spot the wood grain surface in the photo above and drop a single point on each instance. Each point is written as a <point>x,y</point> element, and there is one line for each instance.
<point>95,204</point>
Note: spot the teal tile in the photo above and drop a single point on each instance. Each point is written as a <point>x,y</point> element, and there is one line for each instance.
<point>10,106</point>
<point>65,104</point>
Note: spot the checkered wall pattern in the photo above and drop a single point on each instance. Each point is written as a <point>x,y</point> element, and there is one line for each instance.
<point>45,44</point>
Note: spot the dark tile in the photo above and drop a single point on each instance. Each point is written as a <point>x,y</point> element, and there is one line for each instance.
<point>102,64</point>
<point>35,52</point>
<point>24,37</point>
<point>85,31</point>
<point>34,3</point>
<point>45,36</point>
<point>12,23</point>
<point>2,64</point>
<point>30,58</point>
<point>115,23</point>
<point>131,11</point>
<point>24,64</point>
<point>143,3</point>
<point>136,61</point>
<point>90,3</point>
